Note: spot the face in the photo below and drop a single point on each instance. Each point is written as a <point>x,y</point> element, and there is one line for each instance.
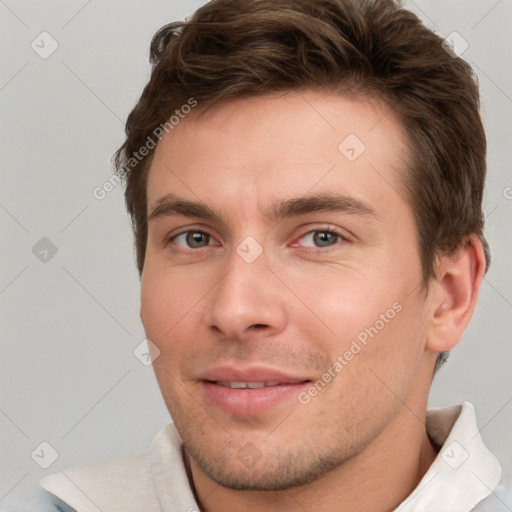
<point>282,284</point>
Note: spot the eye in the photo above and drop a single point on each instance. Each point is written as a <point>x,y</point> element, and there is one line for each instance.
<point>320,238</point>
<point>191,239</point>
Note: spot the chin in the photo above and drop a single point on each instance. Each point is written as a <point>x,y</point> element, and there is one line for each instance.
<point>275,471</point>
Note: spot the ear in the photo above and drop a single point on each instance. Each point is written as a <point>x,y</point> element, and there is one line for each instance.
<point>454,293</point>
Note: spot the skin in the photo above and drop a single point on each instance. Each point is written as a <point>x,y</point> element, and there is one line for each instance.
<point>299,305</point>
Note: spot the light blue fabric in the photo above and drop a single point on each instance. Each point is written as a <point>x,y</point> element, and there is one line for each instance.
<point>40,501</point>
<point>500,500</point>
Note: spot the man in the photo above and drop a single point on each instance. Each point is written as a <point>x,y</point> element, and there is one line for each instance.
<point>305,181</point>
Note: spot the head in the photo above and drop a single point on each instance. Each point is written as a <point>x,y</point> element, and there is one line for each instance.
<point>253,103</point>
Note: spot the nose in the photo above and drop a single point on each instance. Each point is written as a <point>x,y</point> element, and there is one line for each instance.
<point>248,298</point>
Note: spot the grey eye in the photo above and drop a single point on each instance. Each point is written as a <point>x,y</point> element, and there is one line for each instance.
<point>193,239</point>
<point>321,238</point>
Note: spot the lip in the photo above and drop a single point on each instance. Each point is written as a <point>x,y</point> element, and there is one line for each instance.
<point>250,374</point>
<point>250,402</point>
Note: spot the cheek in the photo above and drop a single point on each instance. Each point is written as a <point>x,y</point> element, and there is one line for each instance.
<point>370,318</point>
<point>156,305</point>
<point>343,305</point>
<point>167,298</point>
<point>171,316</point>
<point>163,304</point>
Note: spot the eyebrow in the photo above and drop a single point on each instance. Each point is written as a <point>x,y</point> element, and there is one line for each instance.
<point>170,205</point>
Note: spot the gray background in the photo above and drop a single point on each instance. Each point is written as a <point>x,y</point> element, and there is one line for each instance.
<point>68,375</point>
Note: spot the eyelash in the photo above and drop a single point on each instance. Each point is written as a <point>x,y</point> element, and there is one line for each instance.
<point>341,238</point>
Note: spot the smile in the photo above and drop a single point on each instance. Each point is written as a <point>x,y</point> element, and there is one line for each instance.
<point>250,385</point>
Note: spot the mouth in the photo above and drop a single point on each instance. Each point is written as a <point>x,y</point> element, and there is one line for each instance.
<point>250,391</point>
<point>249,385</point>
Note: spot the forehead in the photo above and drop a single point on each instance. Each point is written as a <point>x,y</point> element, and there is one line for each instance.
<point>254,149</point>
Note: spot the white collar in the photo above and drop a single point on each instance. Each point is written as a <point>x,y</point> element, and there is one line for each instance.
<point>464,473</point>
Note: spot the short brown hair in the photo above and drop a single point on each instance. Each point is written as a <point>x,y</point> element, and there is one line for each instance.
<point>241,48</point>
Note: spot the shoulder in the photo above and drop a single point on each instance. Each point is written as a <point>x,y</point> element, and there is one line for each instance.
<point>124,484</point>
<point>93,486</point>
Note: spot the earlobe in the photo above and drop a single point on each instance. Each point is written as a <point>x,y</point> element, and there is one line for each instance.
<point>454,294</point>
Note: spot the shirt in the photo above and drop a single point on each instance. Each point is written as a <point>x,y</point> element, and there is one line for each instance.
<point>465,476</point>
